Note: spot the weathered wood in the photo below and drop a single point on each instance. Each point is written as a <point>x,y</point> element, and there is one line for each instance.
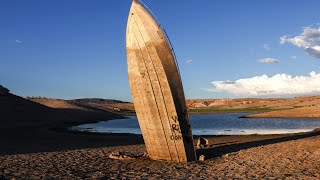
<point>157,89</point>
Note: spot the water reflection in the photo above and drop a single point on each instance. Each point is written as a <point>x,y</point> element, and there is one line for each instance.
<point>215,124</point>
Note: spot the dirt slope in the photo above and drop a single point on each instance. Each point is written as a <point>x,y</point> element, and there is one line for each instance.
<point>304,106</point>
<point>16,112</point>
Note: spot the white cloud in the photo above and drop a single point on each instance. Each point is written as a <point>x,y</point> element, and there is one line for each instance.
<point>309,40</point>
<point>266,47</point>
<point>268,60</point>
<point>280,84</point>
<point>189,61</point>
<point>18,41</point>
<point>293,57</point>
<point>283,39</point>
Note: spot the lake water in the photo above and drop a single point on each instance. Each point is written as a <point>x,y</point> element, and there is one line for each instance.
<point>214,124</point>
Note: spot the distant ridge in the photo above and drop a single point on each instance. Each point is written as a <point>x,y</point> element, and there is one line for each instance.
<point>3,90</point>
<point>303,106</point>
<point>16,111</point>
<point>96,100</point>
<point>87,104</point>
<point>89,108</point>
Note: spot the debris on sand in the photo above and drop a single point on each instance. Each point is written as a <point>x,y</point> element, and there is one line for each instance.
<point>126,156</point>
<point>202,142</point>
<point>120,156</point>
<point>201,158</point>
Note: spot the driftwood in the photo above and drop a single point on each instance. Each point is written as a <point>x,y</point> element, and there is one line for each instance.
<point>122,156</point>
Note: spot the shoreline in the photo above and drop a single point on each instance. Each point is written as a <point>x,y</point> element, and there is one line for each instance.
<point>195,137</point>
<point>36,143</point>
<point>60,153</point>
<point>244,157</point>
<point>68,128</point>
<point>88,132</point>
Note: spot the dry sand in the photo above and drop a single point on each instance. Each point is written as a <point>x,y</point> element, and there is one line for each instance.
<point>34,144</point>
<point>228,157</point>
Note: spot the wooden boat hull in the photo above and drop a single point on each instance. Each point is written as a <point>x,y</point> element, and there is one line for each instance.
<point>157,89</point>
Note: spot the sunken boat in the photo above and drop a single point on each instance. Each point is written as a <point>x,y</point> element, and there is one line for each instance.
<point>156,88</point>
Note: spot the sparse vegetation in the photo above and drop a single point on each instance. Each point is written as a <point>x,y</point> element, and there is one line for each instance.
<point>233,110</point>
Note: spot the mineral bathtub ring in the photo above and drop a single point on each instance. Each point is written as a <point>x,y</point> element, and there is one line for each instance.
<point>156,88</point>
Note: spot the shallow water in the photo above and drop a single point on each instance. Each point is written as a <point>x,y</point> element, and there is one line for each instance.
<point>214,124</point>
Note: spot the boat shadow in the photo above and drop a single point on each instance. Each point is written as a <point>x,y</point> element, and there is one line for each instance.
<point>222,149</point>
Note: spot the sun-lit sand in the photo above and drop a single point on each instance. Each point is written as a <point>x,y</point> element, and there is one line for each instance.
<point>35,144</point>
<point>245,157</point>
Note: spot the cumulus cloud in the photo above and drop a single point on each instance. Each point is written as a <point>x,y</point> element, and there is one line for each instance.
<point>309,40</point>
<point>189,61</point>
<point>266,47</point>
<point>18,41</point>
<point>283,39</point>
<point>268,61</point>
<point>280,84</point>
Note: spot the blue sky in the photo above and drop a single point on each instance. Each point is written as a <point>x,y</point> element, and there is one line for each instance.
<point>76,48</point>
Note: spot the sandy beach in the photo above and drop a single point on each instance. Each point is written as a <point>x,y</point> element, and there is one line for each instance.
<point>295,156</point>
<point>98,90</point>
<point>35,144</point>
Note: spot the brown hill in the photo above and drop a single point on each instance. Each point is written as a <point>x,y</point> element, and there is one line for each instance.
<point>304,106</point>
<point>27,126</point>
<point>97,101</point>
<point>303,112</point>
<point>88,104</point>
<point>16,111</point>
<point>55,103</point>
<point>3,90</point>
<point>274,103</point>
